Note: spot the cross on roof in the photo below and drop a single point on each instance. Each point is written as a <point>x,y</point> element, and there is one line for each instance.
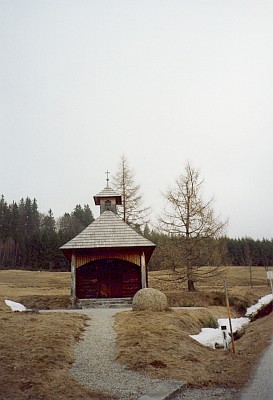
<point>107,179</point>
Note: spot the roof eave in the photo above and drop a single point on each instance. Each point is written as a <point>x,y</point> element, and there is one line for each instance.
<point>97,199</point>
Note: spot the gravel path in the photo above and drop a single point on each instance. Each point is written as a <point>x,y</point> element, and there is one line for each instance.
<point>95,364</point>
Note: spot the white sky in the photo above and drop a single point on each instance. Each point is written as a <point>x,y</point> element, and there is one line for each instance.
<point>83,81</point>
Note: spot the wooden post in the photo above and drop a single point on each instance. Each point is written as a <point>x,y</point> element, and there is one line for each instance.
<point>73,280</point>
<point>143,271</point>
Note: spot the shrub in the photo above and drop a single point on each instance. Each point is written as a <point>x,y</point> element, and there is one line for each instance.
<point>211,323</point>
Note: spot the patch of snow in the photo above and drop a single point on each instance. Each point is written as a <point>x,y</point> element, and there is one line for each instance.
<point>236,323</point>
<point>15,306</point>
<point>252,311</point>
<point>210,336</point>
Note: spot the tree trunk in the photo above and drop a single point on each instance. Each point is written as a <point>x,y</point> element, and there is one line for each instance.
<point>191,287</point>
<point>190,280</point>
<point>250,276</point>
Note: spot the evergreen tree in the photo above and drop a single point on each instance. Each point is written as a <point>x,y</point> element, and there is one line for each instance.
<point>49,239</point>
<point>31,240</point>
<point>4,230</point>
<point>83,215</point>
<point>70,225</point>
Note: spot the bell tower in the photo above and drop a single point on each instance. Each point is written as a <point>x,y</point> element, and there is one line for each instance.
<point>108,199</point>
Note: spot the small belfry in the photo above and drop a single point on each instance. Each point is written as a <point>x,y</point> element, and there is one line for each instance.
<point>108,199</point>
<point>108,258</point>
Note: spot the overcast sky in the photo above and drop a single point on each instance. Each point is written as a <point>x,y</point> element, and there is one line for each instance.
<point>163,82</point>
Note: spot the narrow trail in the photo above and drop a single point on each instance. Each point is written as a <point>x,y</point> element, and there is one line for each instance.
<point>95,364</point>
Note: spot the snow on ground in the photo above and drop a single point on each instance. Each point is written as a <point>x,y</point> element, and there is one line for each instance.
<point>15,306</point>
<point>210,336</point>
<point>252,311</point>
<point>236,323</point>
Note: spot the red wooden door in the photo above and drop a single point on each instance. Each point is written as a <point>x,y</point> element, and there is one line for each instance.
<point>109,278</point>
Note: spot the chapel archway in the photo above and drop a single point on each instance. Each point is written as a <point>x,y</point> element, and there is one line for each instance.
<point>108,278</point>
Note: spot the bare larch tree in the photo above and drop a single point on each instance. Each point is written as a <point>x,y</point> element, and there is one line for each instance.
<point>131,210</point>
<point>192,219</point>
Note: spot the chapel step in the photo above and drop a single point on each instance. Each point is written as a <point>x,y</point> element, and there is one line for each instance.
<point>124,302</point>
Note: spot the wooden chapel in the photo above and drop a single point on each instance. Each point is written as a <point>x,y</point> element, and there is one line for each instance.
<point>108,258</point>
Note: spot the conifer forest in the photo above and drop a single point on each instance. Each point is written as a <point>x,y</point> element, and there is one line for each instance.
<point>31,240</point>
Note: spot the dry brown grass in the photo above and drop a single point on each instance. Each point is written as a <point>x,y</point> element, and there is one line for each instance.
<point>41,290</point>
<point>159,343</point>
<point>235,277</point>
<point>211,292</point>
<point>36,350</point>
<point>35,353</point>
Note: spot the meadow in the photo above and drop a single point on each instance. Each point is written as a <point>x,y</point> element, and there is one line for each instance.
<point>36,349</point>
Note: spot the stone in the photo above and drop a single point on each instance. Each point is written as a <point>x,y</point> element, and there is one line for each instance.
<point>150,299</point>
<point>165,391</point>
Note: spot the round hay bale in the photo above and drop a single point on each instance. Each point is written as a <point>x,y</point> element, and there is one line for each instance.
<point>149,299</point>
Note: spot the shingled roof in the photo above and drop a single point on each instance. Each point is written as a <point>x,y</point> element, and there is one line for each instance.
<point>108,230</point>
<point>105,193</point>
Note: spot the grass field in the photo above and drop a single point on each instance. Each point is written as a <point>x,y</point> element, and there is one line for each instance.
<point>36,350</point>
<point>159,343</point>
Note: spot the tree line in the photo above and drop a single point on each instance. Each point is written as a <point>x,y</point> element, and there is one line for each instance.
<point>188,234</point>
<point>247,251</point>
<point>31,240</point>
<point>234,252</point>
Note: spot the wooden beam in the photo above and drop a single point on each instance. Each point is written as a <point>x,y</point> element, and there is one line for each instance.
<point>143,271</point>
<point>73,279</point>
